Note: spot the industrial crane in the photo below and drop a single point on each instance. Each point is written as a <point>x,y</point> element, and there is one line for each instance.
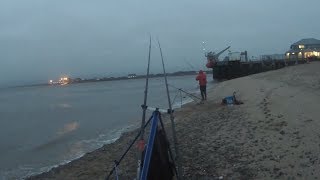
<point>213,57</point>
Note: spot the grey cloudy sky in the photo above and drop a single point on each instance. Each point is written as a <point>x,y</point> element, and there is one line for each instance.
<point>42,39</point>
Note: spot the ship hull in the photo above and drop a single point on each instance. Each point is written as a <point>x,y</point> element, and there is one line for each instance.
<point>234,69</point>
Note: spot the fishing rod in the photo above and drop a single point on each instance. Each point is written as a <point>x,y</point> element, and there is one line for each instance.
<point>180,89</point>
<point>127,150</point>
<point>189,64</point>
<point>171,117</point>
<point>144,109</point>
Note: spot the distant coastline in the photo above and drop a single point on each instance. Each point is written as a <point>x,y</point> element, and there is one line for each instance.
<point>80,80</point>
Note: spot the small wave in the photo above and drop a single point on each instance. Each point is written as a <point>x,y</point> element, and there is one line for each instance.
<point>30,171</point>
<point>69,127</point>
<point>61,136</point>
<point>87,145</point>
<point>177,105</point>
<point>108,138</point>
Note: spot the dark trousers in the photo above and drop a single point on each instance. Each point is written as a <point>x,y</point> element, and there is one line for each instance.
<point>203,90</point>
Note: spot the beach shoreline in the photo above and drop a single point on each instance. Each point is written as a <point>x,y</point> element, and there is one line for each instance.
<point>132,128</point>
<point>272,135</point>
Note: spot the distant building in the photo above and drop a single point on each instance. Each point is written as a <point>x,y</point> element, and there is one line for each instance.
<point>64,80</point>
<point>132,76</point>
<point>237,56</point>
<point>305,48</point>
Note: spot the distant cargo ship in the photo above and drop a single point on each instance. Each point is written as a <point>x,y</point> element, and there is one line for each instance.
<point>62,81</point>
<point>237,64</point>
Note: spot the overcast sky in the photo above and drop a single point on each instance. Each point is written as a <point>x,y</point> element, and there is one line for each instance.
<point>43,39</point>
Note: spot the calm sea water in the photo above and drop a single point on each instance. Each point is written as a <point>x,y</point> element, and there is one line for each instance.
<point>41,127</point>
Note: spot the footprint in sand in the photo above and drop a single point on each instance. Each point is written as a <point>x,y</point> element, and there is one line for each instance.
<point>280,116</point>
<point>268,116</point>
<point>308,120</point>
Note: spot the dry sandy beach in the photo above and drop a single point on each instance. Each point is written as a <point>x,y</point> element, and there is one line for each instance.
<point>275,134</point>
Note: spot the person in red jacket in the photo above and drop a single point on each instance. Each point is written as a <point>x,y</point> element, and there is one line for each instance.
<point>202,78</point>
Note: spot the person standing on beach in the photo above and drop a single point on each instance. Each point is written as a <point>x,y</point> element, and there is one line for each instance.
<point>202,78</point>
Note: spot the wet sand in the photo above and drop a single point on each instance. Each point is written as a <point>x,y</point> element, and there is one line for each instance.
<point>273,135</point>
